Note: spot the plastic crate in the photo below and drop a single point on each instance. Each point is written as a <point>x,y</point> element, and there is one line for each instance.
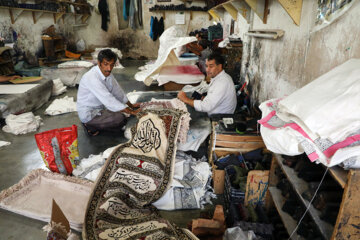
<point>231,194</point>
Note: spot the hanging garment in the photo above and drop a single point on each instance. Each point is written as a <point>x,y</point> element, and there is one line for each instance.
<point>122,24</point>
<point>152,28</point>
<point>156,28</point>
<point>139,12</point>
<point>160,26</point>
<point>126,9</point>
<point>132,14</point>
<point>104,11</point>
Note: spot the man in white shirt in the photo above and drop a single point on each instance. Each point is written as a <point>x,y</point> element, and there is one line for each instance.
<point>221,96</point>
<point>101,102</point>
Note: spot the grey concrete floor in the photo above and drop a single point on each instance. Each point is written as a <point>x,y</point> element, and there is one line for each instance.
<point>22,156</point>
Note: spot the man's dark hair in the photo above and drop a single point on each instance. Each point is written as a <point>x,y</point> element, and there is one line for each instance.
<point>107,54</point>
<point>218,59</point>
<point>203,43</point>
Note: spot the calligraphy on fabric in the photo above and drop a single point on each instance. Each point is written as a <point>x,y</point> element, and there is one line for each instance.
<point>147,137</point>
<point>136,174</point>
<point>174,103</point>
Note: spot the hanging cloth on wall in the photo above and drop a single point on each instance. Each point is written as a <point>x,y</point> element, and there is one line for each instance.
<point>104,11</point>
<point>126,9</point>
<point>139,12</point>
<point>151,34</point>
<point>154,28</point>
<point>122,24</point>
<point>160,26</point>
<point>132,14</point>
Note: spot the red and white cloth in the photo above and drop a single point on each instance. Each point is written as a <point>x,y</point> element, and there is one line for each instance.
<point>321,119</point>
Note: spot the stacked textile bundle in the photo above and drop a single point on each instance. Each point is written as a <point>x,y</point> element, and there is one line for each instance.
<point>321,119</point>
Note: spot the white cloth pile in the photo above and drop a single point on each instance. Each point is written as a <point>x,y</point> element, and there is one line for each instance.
<point>169,41</point>
<point>22,124</point>
<point>115,50</point>
<point>4,143</point>
<point>61,106</point>
<point>89,168</point>
<point>197,134</point>
<point>76,64</point>
<point>58,87</point>
<point>321,119</point>
<point>189,184</point>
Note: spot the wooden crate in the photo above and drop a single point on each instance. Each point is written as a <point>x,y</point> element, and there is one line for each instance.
<point>222,144</point>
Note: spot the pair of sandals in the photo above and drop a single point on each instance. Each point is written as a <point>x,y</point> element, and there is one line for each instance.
<point>90,132</point>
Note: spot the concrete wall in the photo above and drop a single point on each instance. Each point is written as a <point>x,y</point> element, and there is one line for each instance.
<point>132,43</point>
<point>279,67</point>
<point>137,43</point>
<point>29,34</point>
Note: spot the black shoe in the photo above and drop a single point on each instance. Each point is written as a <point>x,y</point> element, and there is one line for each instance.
<point>90,131</point>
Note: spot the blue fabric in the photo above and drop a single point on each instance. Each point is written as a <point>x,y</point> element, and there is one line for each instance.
<point>151,28</point>
<point>125,13</point>
<point>132,14</point>
<point>255,155</point>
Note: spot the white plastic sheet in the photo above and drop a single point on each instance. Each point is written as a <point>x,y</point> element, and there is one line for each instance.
<point>169,41</point>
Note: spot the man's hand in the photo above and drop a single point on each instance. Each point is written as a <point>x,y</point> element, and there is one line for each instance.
<point>14,77</point>
<point>182,96</point>
<point>130,111</point>
<point>133,106</point>
<point>8,78</point>
<point>136,105</point>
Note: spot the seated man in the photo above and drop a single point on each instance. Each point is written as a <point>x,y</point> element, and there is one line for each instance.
<point>101,102</point>
<point>194,46</point>
<point>221,96</point>
<point>8,78</point>
<point>204,54</point>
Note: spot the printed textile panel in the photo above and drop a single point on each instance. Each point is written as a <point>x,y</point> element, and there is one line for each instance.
<point>172,104</point>
<point>136,174</point>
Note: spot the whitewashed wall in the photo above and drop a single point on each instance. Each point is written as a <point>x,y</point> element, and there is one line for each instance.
<point>29,34</point>
<point>142,44</point>
<point>94,36</point>
<point>279,67</point>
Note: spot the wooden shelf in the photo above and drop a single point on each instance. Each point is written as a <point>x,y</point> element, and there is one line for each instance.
<point>78,4</point>
<point>233,7</point>
<point>36,14</point>
<point>289,222</point>
<point>300,186</point>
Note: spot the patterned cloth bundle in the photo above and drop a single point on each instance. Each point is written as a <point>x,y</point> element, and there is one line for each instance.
<point>136,174</point>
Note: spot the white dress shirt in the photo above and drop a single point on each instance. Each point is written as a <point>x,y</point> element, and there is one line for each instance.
<point>220,98</point>
<point>97,92</point>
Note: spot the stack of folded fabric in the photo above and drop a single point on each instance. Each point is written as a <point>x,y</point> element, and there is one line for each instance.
<point>318,119</point>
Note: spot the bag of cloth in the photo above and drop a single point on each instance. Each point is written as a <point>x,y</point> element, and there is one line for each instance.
<point>59,149</point>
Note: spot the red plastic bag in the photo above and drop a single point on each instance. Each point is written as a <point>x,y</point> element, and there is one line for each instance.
<point>59,149</point>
